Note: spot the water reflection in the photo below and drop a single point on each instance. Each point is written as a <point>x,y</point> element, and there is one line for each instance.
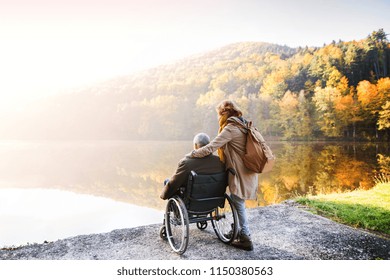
<point>316,168</point>
<point>133,172</point>
<point>41,214</point>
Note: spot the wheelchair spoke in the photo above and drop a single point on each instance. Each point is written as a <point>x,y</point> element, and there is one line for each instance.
<point>225,222</point>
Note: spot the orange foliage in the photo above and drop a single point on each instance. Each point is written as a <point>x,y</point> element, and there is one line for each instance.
<point>342,86</point>
<point>349,174</point>
<point>290,182</point>
<point>251,203</point>
<point>270,193</point>
<point>383,87</point>
<point>344,102</point>
<point>366,92</point>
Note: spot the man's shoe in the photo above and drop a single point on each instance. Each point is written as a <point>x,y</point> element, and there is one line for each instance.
<point>244,242</point>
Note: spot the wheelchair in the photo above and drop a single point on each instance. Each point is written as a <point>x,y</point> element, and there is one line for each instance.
<point>203,200</point>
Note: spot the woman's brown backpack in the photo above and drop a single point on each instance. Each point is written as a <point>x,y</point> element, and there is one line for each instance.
<point>258,156</point>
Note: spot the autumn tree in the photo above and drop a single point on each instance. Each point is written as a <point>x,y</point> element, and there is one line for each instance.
<point>377,53</point>
<point>384,117</point>
<point>288,116</point>
<point>373,98</point>
<point>324,100</point>
<point>274,84</point>
<point>338,90</point>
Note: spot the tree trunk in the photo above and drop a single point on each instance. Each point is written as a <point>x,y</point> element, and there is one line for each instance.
<point>376,70</point>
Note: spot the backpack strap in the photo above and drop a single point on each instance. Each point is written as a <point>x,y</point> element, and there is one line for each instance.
<point>243,127</point>
<point>241,123</point>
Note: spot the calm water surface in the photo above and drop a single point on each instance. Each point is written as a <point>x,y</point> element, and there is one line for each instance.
<point>51,190</point>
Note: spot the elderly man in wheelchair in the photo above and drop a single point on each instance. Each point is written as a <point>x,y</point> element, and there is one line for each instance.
<point>196,193</point>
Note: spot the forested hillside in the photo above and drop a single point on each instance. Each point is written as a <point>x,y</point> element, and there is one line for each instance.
<point>338,91</point>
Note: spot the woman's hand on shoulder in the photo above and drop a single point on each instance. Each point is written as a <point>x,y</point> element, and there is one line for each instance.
<point>190,154</point>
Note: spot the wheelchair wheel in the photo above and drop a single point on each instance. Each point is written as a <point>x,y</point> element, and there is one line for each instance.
<point>225,221</point>
<point>177,225</point>
<point>202,225</point>
<point>163,233</point>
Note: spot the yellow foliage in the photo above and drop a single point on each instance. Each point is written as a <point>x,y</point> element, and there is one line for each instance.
<point>384,163</point>
<point>366,92</point>
<point>290,182</point>
<point>325,97</point>
<point>243,104</point>
<point>334,78</point>
<point>307,59</point>
<point>384,116</point>
<point>383,87</point>
<point>251,203</point>
<point>270,193</point>
<point>342,85</point>
<point>344,102</point>
<point>247,72</point>
<point>331,51</point>
<point>211,98</point>
<point>289,102</point>
<point>274,84</point>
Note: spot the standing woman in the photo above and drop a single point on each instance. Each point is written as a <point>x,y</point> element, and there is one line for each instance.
<point>230,144</point>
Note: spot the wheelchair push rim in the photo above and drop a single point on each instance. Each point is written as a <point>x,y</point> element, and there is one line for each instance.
<point>177,225</point>
<point>225,221</point>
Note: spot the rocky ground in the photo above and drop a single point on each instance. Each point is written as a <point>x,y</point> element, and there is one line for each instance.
<point>282,232</point>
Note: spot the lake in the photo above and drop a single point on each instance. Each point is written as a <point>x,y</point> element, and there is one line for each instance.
<point>52,190</point>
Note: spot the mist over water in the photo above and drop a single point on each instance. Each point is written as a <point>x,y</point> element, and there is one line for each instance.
<point>39,215</point>
<point>52,190</point>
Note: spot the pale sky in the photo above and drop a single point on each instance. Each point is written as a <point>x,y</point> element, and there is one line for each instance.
<point>49,45</point>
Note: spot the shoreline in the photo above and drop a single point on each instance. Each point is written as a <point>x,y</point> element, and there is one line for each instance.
<point>285,231</point>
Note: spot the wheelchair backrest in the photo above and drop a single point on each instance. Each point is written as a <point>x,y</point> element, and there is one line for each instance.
<point>205,191</point>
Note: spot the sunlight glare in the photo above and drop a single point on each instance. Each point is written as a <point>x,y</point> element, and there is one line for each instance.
<point>35,215</point>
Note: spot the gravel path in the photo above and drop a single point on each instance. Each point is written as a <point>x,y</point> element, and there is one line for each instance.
<point>284,231</point>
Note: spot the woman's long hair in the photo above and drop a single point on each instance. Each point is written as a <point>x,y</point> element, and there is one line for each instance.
<point>228,107</point>
<point>225,110</point>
